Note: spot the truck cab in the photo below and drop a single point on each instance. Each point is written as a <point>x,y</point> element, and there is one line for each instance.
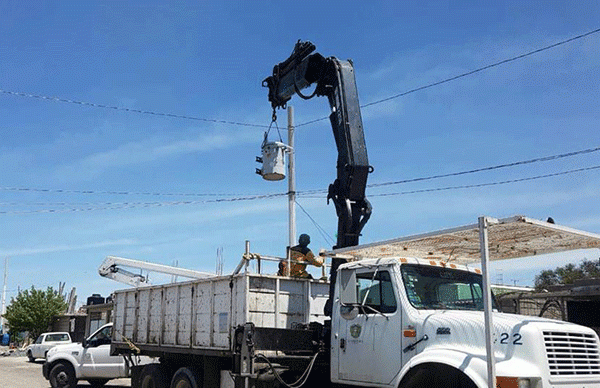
<point>414,322</point>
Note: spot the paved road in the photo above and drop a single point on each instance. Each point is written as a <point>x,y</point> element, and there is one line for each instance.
<point>17,372</point>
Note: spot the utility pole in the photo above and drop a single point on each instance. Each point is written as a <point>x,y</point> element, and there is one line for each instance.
<point>291,177</point>
<point>2,320</point>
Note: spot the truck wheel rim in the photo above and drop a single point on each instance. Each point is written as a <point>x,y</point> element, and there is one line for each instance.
<point>62,379</point>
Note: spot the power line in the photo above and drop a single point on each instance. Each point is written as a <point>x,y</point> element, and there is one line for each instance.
<point>490,168</point>
<point>305,192</point>
<point>472,171</point>
<point>123,109</point>
<point>119,192</point>
<point>322,231</point>
<point>488,184</point>
<point>131,205</point>
<point>476,185</point>
<point>468,73</point>
<point>237,123</point>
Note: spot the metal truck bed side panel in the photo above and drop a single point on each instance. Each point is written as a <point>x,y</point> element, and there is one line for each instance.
<point>201,314</point>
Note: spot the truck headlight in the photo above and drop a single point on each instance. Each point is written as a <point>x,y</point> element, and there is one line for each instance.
<point>524,383</point>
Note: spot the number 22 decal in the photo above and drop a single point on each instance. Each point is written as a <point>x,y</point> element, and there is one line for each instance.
<point>516,338</point>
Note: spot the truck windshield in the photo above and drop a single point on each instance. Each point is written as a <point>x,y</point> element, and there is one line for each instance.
<point>440,288</point>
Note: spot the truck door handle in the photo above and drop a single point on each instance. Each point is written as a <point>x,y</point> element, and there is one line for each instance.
<point>342,343</point>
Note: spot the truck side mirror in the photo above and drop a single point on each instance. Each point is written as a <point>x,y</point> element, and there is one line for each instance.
<point>347,284</point>
<point>348,297</point>
<point>84,343</point>
<point>348,312</point>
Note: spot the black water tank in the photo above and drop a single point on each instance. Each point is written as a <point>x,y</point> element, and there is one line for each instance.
<point>95,299</point>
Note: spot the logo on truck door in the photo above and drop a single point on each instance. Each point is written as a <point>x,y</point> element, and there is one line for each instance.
<point>355,330</point>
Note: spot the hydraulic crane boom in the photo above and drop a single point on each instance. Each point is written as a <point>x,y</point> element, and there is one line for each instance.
<point>334,79</point>
<point>111,268</point>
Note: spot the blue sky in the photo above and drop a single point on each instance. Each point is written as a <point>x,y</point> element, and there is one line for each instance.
<point>62,164</point>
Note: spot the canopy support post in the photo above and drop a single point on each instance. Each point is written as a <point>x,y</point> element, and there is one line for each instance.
<point>487,301</point>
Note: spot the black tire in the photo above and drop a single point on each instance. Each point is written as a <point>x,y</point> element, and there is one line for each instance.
<point>62,376</point>
<point>153,376</point>
<point>186,378</point>
<point>438,376</point>
<point>97,383</point>
<point>30,356</point>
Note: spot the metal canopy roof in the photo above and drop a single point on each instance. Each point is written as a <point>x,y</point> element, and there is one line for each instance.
<point>509,238</point>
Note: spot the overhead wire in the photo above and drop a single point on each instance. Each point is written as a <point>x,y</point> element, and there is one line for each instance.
<point>489,168</point>
<point>320,229</point>
<point>129,205</point>
<point>131,110</point>
<point>305,192</point>
<point>477,185</point>
<point>465,74</point>
<point>238,123</point>
<point>64,100</point>
<point>120,192</point>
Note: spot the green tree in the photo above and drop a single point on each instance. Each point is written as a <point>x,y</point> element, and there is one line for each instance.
<point>546,278</point>
<point>32,310</point>
<point>567,274</point>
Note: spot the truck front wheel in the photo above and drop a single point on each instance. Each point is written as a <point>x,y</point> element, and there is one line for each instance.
<point>436,375</point>
<point>62,376</point>
<point>30,356</point>
<point>185,378</point>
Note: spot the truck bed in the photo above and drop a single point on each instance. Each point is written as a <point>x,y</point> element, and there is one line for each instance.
<point>201,315</point>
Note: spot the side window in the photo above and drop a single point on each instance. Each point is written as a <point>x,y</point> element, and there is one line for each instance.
<point>57,337</point>
<point>103,337</point>
<point>39,339</point>
<point>375,290</point>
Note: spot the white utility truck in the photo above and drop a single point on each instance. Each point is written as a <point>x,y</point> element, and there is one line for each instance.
<point>91,360</point>
<point>411,312</point>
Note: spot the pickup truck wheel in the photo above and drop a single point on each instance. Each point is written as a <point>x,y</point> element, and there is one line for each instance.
<point>62,376</point>
<point>185,378</point>
<point>97,383</point>
<point>30,356</point>
<point>153,376</point>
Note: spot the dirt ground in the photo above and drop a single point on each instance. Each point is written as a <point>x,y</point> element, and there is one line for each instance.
<point>18,372</point>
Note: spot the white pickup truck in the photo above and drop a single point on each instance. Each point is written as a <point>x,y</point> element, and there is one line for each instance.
<point>45,342</point>
<point>90,360</point>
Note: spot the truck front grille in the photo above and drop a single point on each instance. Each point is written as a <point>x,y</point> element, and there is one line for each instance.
<point>572,353</point>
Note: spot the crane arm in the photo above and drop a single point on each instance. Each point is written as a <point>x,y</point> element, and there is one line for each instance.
<point>334,79</point>
<point>111,268</point>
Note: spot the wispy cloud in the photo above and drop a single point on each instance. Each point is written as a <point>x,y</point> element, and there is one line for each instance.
<point>153,149</point>
<point>64,248</point>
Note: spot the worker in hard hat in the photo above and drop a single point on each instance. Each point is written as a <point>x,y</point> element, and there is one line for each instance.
<point>301,256</point>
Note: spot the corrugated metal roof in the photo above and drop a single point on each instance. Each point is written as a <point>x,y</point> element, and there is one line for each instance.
<point>509,238</point>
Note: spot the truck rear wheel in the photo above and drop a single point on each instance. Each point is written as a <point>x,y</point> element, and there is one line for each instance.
<point>154,376</point>
<point>186,378</point>
<point>62,376</point>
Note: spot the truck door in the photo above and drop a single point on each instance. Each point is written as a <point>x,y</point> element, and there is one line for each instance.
<point>370,344</point>
<point>96,360</point>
